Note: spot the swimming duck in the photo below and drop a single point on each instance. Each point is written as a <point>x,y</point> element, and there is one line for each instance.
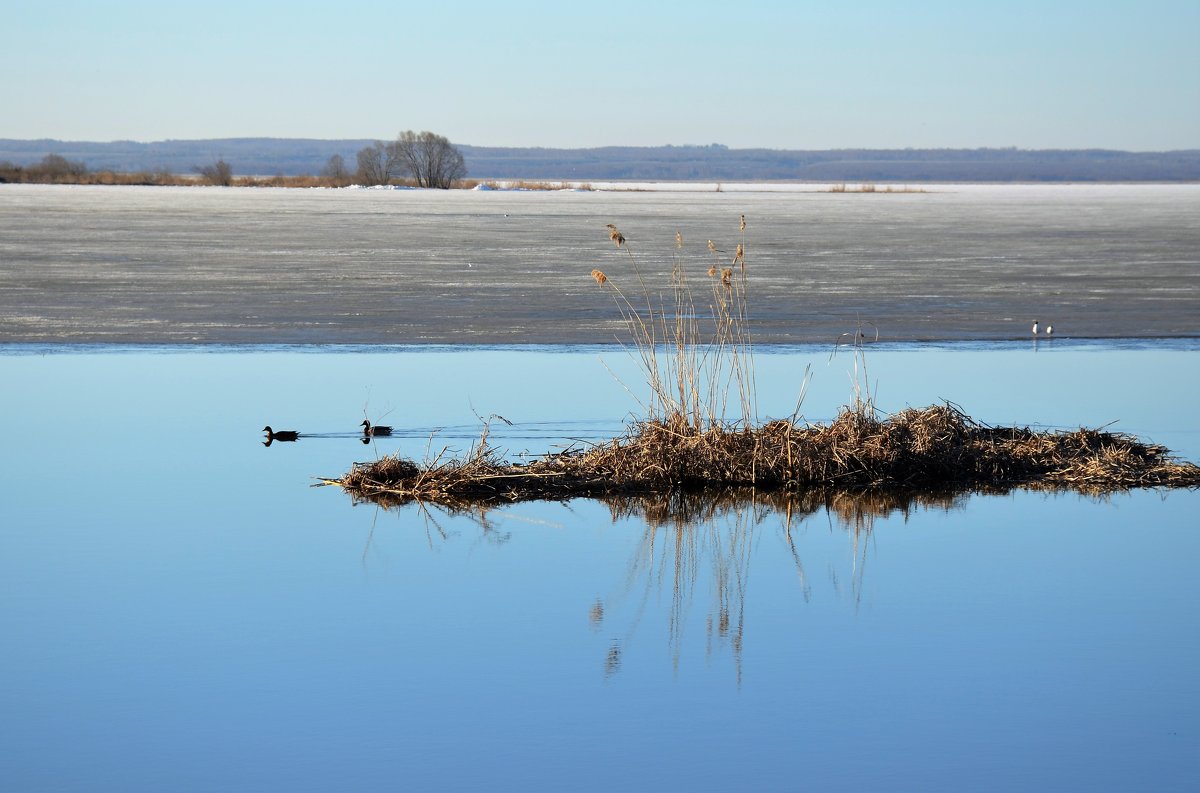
<point>1035,327</point>
<point>280,435</point>
<point>371,430</point>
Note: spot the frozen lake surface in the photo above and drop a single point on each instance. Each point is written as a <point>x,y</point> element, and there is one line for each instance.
<point>182,611</point>
<point>217,265</point>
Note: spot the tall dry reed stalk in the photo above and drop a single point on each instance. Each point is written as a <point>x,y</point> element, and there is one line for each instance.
<point>860,382</point>
<point>692,367</point>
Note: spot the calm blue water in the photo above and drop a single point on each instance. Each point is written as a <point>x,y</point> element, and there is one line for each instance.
<point>183,611</point>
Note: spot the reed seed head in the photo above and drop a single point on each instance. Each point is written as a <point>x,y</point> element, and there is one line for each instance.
<point>679,239</point>
<point>742,224</point>
<point>712,248</point>
<point>615,235</point>
<point>599,277</point>
<point>712,271</point>
<point>727,276</point>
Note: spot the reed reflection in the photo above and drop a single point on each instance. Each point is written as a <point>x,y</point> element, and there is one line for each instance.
<point>692,563</point>
<point>434,519</point>
<point>699,547</point>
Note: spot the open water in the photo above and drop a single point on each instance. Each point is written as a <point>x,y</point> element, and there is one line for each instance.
<point>182,610</point>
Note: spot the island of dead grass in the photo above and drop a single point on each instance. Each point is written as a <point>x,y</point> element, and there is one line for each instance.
<point>935,448</point>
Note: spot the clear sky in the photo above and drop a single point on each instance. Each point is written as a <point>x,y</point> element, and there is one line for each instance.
<point>786,75</point>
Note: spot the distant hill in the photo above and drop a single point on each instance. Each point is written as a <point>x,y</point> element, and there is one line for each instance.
<point>296,156</point>
<point>857,165</point>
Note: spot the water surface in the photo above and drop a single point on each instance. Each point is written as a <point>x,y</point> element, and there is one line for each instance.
<point>183,611</point>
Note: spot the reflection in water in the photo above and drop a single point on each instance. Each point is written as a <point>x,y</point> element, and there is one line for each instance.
<point>436,533</point>
<point>698,545</point>
<point>695,537</point>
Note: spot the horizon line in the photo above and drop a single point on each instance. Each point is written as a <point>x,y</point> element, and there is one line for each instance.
<point>709,146</point>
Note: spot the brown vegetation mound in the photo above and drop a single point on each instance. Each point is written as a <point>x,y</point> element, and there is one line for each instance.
<point>934,448</point>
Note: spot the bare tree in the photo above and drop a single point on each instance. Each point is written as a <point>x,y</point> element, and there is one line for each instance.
<point>431,159</point>
<point>370,166</point>
<point>377,163</point>
<point>335,169</point>
<point>219,173</point>
<point>56,168</point>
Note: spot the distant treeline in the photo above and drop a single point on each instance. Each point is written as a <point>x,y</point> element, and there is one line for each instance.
<point>294,157</point>
<point>56,169</point>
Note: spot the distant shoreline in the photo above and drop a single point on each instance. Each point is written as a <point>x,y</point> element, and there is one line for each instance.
<point>109,179</point>
<point>295,157</point>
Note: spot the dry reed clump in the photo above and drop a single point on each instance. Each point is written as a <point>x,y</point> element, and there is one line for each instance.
<point>697,363</point>
<point>867,187</point>
<point>938,449</point>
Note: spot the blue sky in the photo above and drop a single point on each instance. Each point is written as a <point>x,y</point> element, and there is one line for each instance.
<point>789,74</point>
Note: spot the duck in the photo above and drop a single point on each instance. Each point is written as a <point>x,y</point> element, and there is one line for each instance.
<point>280,435</point>
<point>1049,330</point>
<point>371,430</point>
<point>1035,327</point>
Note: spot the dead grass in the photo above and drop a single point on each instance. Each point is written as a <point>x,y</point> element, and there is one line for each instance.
<point>698,362</point>
<point>868,187</point>
<point>937,449</point>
